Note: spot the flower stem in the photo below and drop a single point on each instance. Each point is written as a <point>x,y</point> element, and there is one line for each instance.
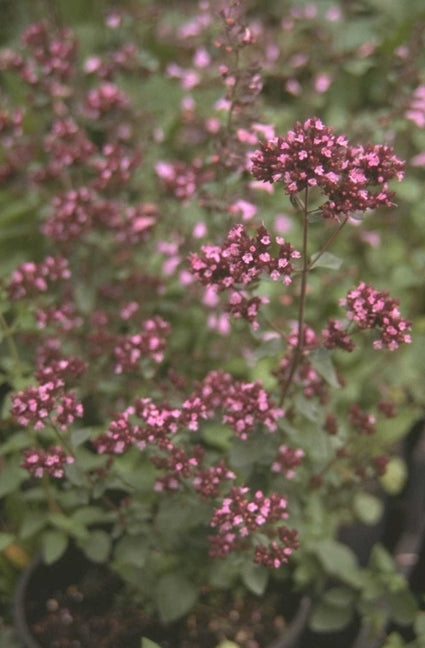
<point>302,300</point>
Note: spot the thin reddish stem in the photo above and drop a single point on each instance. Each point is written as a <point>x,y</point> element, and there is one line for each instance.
<point>302,300</point>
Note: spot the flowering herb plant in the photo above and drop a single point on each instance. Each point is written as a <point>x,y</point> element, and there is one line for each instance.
<point>178,351</point>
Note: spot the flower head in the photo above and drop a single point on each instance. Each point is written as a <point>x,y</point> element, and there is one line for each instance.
<point>351,179</point>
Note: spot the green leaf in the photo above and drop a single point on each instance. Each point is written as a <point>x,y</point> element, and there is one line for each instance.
<point>395,640</point>
<point>339,597</point>
<point>326,260</point>
<point>18,441</point>
<point>33,522</point>
<point>223,574</point>
<point>5,540</point>
<point>75,475</point>
<point>338,560</point>
<point>175,596</point>
<point>402,605</point>
<point>131,550</point>
<point>330,618</point>
<point>68,525</point>
<point>257,449</point>
<point>53,545</point>
<point>321,359</point>
<point>227,644</point>
<point>255,577</point>
<point>217,436</point>
<point>147,643</point>
<point>177,516</point>
<point>78,437</point>
<point>308,408</point>
<point>367,508</point>
<point>419,624</point>
<point>97,546</point>
<point>381,560</point>
<point>87,515</point>
<point>11,477</point>
<point>395,476</point>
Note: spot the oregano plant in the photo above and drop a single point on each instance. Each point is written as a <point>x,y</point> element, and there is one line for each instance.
<point>185,343</point>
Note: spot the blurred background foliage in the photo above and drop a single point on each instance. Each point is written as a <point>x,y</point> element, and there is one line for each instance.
<point>372,54</point>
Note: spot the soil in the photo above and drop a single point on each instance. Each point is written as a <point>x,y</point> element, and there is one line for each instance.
<point>82,612</point>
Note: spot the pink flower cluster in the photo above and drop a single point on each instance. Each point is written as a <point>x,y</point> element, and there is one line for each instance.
<point>114,167</point>
<point>104,100</point>
<point>64,318</point>
<point>61,369</point>
<point>182,180</point>
<point>72,215</point>
<point>44,404</point>
<point>277,553</point>
<point>313,385</point>
<point>14,149</point>
<point>150,343</point>
<point>241,517</point>
<point>361,421</point>
<point>48,63</point>
<point>180,466</point>
<point>374,309</point>
<point>244,406</point>
<point>66,145</point>
<point>123,58</point>
<point>242,259</point>
<point>336,338</point>
<point>158,424</point>
<point>75,213</point>
<point>353,179</point>
<point>287,460</point>
<point>39,462</point>
<point>54,57</point>
<point>33,278</point>
<point>239,262</point>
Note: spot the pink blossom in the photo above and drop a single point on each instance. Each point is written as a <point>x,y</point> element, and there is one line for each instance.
<point>322,82</point>
<point>244,208</point>
<point>52,461</point>
<point>201,58</point>
<point>32,278</point>
<point>351,178</point>
<point>46,403</point>
<point>373,309</point>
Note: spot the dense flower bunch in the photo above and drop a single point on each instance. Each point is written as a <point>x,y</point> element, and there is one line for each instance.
<point>373,309</point>
<point>242,259</point>
<point>51,461</point>
<point>287,460</point>
<point>46,404</point>
<point>335,337</point>
<point>182,180</point>
<point>352,178</point>
<point>33,278</point>
<point>149,343</point>
<point>239,263</point>
<point>240,517</point>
